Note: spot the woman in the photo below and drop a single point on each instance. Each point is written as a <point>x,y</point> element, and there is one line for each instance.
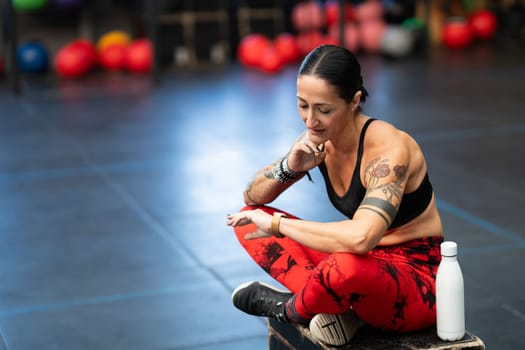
<point>381,262</point>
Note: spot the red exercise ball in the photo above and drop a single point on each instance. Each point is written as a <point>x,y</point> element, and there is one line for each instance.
<point>139,56</point>
<point>1,66</point>
<point>483,24</point>
<point>307,16</point>
<point>271,61</point>
<point>456,34</point>
<point>112,57</point>
<point>71,61</point>
<point>308,41</point>
<point>369,10</point>
<point>351,36</point>
<point>371,35</point>
<point>287,47</point>
<point>332,13</point>
<point>87,49</point>
<point>251,48</point>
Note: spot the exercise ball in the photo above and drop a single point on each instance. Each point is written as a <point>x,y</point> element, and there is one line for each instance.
<point>112,57</point>
<point>397,42</point>
<point>329,40</point>
<point>351,36</point>
<point>413,23</point>
<point>456,34</point>
<point>1,66</point>
<point>271,62</point>
<point>87,50</point>
<point>139,56</point>
<point>287,47</point>
<point>307,16</point>
<point>371,35</point>
<point>331,9</point>
<point>251,48</point>
<point>32,57</point>
<point>113,37</point>
<point>369,10</point>
<point>483,24</point>
<point>73,60</point>
<point>28,5</point>
<point>308,41</point>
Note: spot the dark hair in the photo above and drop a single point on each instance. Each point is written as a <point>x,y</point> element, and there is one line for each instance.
<point>339,67</point>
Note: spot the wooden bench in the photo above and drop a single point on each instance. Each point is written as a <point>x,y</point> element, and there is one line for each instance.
<point>283,336</point>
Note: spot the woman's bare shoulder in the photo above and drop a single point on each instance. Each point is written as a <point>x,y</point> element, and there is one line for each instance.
<point>382,133</point>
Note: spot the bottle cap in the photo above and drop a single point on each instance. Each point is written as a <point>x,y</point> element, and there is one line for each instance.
<point>449,248</point>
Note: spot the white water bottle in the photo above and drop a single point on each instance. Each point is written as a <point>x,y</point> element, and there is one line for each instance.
<point>450,297</point>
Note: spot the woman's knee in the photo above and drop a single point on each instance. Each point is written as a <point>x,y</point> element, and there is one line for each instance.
<point>345,272</point>
<point>268,209</point>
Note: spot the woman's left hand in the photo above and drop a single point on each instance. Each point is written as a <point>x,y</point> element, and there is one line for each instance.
<point>305,155</point>
<point>261,219</point>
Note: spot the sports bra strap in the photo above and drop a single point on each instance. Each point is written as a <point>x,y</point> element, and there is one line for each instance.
<point>361,146</point>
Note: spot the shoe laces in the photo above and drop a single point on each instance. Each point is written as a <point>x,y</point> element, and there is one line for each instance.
<point>272,309</point>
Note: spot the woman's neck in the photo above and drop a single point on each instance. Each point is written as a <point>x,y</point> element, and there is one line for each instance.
<point>346,140</point>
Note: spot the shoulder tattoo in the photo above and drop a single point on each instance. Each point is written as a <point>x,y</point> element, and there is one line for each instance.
<point>387,205</point>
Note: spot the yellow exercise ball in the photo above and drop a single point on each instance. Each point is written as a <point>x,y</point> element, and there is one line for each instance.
<point>114,37</point>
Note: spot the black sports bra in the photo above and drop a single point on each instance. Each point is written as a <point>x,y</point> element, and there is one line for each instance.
<point>412,204</point>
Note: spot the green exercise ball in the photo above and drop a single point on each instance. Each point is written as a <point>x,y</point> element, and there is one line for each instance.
<point>28,5</point>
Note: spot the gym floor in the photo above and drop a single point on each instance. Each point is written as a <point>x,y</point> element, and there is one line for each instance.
<point>114,193</point>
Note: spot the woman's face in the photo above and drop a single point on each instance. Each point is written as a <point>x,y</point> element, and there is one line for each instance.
<point>321,109</point>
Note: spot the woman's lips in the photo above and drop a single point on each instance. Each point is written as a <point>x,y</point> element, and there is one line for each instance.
<point>313,131</point>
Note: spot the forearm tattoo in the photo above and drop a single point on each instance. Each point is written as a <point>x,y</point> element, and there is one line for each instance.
<point>247,194</point>
<point>393,191</point>
<point>268,174</point>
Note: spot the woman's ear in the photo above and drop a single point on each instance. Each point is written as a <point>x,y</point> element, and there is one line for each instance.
<point>356,100</point>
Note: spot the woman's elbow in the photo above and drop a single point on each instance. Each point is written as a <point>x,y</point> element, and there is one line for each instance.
<point>361,243</point>
<point>250,199</point>
<point>361,247</point>
<point>247,199</point>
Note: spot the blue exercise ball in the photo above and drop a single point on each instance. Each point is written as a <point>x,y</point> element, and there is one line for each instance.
<point>32,57</point>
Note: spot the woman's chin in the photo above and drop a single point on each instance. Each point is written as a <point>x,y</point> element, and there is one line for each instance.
<point>316,138</point>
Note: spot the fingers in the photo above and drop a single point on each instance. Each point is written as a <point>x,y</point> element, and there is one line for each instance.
<point>313,148</point>
<point>239,219</point>
<point>256,234</point>
<point>316,151</point>
<point>309,145</point>
<point>244,218</point>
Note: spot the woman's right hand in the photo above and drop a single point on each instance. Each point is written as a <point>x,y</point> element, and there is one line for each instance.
<point>305,154</point>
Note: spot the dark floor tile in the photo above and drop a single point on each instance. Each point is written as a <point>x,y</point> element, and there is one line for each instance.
<point>185,316</point>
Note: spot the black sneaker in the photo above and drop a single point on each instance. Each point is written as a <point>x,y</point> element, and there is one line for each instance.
<point>260,299</point>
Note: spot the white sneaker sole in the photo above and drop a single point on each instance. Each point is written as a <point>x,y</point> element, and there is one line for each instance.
<point>335,330</point>
<point>244,285</point>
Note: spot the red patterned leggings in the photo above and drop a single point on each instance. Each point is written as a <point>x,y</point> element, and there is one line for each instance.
<point>391,287</point>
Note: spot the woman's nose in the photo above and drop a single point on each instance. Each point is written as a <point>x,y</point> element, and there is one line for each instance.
<point>310,119</point>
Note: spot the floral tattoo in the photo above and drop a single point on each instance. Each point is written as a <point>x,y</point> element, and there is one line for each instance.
<point>376,170</point>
